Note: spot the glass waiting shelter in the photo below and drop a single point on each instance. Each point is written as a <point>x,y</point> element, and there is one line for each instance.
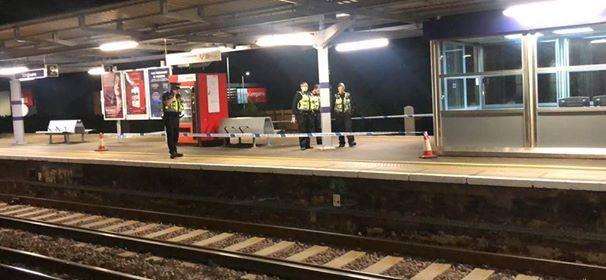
<point>533,92</point>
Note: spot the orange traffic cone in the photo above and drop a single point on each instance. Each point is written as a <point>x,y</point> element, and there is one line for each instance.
<point>427,152</point>
<point>101,147</point>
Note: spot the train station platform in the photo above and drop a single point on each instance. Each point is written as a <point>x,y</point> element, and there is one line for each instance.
<point>379,157</point>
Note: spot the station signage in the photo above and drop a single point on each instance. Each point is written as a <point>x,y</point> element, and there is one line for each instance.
<point>187,58</point>
<point>31,74</point>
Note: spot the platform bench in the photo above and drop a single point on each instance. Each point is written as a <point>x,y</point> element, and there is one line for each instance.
<point>65,128</point>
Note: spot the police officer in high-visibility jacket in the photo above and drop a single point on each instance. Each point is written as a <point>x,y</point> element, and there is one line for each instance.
<point>172,108</point>
<point>301,109</point>
<point>342,110</point>
<point>316,116</point>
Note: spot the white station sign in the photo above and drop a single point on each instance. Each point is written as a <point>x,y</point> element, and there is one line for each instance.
<point>187,58</point>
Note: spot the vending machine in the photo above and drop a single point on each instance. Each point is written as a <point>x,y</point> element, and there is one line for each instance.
<point>204,98</point>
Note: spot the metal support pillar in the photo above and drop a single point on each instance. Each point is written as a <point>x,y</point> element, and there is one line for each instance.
<point>529,77</point>
<point>325,106</point>
<point>436,90</point>
<point>17,112</point>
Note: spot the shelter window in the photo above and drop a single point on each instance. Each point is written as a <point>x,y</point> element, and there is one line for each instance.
<point>481,73</point>
<point>572,65</point>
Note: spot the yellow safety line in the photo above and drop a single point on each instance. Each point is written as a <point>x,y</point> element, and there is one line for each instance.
<point>459,164</point>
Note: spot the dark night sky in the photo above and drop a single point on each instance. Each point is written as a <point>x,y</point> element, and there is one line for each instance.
<point>383,81</point>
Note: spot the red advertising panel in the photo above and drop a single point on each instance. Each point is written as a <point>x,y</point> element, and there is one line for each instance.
<point>136,95</point>
<point>257,95</point>
<point>112,97</point>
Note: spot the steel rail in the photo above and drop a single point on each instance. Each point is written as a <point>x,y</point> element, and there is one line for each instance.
<point>14,272</point>
<point>55,264</point>
<point>225,258</point>
<point>472,257</point>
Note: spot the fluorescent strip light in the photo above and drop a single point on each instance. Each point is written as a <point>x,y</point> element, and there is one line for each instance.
<point>513,36</point>
<point>342,15</point>
<point>568,31</point>
<point>362,45</point>
<point>292,39</point>
<point>547,14</point>
<point>118,46</point>
<point>9,71</point>
<point>599,41</point>
<point>96,71</point>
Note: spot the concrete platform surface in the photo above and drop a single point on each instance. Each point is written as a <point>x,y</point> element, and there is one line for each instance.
<point>383,157</point>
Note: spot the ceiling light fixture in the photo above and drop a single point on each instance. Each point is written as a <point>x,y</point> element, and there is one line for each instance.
<point>96,71</point>
<point>569,31</point>
<point>547,14</point>
<point>362,45</point>
<point>118,46</point>
<point>291,39</point>
<point>9,71</point>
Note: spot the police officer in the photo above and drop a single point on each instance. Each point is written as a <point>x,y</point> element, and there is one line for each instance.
<point>342,110</point>
<point>171,114</point>
<point>316,116</point>
<point>301,109</point>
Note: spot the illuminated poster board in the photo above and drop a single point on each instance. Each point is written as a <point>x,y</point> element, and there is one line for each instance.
<point>136,95</point>
<point>158,83</point>
<point>112,96</point>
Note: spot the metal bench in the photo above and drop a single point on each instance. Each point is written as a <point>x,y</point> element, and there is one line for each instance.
<point>65,128</point>
<point>255,125</point>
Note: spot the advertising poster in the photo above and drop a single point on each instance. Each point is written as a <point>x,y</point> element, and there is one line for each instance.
<point>136,95</point>
<point>113,99</point>
<point>158,84</point>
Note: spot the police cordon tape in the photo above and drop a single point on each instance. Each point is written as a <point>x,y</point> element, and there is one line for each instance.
<point>272,135</point>
<point>381,117</point>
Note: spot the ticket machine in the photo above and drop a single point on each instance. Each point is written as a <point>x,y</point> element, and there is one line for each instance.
<point>204,97</point>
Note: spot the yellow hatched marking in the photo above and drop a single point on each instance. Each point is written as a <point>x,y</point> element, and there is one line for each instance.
<point>81,220</point>
<point>383,265</point>
<point>140,229</point>
<point>214,239</point>
<point>37,212</point>
<point>526,277</point>
<point>100,223</point>
<point>307,253</point>
<point>187,236</point>
<point>275,248</point>
<point>431,272</point>
<point>58,220</point>
<point>244,244</point>
<point>12,212</point>
<point>345,259</point>
<point>117,226</point>
<point>479,274</point>
<point>162,232</point>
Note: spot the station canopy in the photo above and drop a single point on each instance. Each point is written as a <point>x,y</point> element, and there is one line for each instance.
<point>163,26</point>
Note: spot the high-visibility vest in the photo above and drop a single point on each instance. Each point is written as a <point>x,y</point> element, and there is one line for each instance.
<point>315,102</point>
<point>342,103</point>
<point>305,101</point>
<point>175,106</point>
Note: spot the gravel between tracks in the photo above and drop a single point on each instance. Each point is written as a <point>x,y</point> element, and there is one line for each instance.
<point>138,264</point>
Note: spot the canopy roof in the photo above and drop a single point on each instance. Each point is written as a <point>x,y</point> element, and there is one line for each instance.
<point>71,39</point>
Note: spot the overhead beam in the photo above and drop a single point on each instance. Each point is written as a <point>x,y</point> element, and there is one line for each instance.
<point>324,37</point>
<point>195,14</point>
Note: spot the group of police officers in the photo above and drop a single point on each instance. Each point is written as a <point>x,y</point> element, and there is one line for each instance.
<point>306,112</point>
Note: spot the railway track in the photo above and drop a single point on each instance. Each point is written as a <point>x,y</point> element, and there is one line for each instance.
<point>246,246</point>
<point>59,266</point>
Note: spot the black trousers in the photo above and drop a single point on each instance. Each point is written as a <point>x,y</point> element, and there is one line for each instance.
<point>317,119</point>
<point>343,124</point>
<point>171,123</point>
<point>306,125</point>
